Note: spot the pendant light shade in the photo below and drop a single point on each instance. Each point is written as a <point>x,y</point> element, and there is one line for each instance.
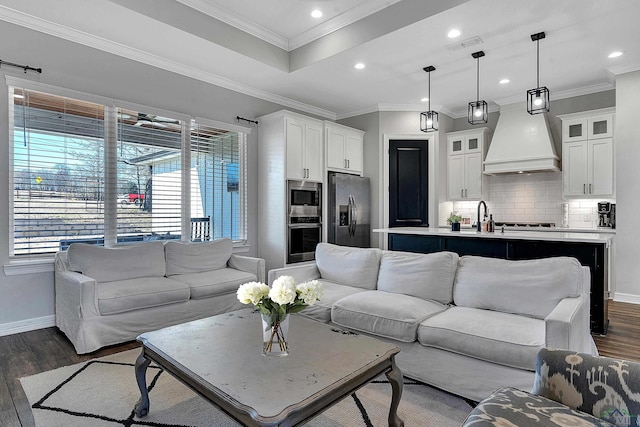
<point>429,119</point>
<point>478,112</point>
<point>538,99</point>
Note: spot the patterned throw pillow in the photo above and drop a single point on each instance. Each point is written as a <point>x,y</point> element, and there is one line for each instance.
<point>604,387</point>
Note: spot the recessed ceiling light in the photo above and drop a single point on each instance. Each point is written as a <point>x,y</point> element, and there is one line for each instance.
<point>425,99</point>
<point>504,81</point>
<point>615,54</point>
<point>359,66</point>
<point>316,13</point>
<point>454,33</point>
<point>18,96</point>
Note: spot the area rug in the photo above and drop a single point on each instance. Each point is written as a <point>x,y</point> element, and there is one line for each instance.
<point>102,393</point>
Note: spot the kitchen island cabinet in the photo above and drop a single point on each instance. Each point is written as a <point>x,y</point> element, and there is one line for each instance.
<point>590,249</point>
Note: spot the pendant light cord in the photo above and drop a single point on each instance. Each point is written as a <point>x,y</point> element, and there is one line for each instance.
<point>538,63</point>
<point>429,91</point>
<point>478,80</point>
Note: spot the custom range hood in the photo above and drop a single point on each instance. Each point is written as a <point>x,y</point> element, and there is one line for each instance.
<point>521,143</point>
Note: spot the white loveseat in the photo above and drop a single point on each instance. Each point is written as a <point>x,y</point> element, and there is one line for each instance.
<point>105,296</point>
<point>468,325</point>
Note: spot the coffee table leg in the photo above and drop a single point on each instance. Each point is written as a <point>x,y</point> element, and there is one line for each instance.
<point>142,406</point>
<point>396,381</point>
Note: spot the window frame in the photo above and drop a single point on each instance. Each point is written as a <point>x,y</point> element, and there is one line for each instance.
<point>110,139</point>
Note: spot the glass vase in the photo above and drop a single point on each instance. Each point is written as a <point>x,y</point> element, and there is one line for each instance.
<point>275,328</point>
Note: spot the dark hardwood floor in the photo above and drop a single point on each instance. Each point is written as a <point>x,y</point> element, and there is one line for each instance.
<point>32,352</point>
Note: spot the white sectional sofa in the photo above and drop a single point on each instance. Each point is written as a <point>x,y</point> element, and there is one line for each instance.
<point>468,325</point>
<point>105,296</point>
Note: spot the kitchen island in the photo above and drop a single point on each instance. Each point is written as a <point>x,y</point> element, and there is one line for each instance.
<point>590,249</point>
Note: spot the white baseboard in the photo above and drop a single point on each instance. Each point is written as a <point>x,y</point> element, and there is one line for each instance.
<point>630,298</point>
<point>27,325</point>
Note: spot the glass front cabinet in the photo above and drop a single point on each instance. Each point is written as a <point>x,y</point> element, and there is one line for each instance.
<point>466,151</point>
<point>588,168</point>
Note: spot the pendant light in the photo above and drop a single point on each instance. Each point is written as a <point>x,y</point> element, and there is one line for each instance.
<point>538,98</point>
<point>429,119</point>
<point>478,110</point>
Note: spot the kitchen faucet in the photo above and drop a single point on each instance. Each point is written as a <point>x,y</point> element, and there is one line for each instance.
<point>479,224</point>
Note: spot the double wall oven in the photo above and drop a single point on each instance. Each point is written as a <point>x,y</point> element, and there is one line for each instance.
<point>304,220</point>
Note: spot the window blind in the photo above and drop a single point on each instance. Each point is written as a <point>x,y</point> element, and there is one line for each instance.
<point>149,176</point>
<point>57,172</point>
<point>216,190</point>
<point>81,171</point>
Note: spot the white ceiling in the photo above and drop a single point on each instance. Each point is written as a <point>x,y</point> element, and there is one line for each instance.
<point>395,39</point>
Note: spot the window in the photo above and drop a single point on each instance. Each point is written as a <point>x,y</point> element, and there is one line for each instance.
<point>88,172</point>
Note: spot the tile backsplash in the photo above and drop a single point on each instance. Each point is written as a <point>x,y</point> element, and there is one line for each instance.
<point>532,197</point>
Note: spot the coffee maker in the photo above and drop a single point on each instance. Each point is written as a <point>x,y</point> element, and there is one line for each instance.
<point>606,214</point>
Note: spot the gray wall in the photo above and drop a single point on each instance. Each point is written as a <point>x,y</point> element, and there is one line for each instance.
<point>397,123</point>
<point>627,187</point>
<point>72,66</point>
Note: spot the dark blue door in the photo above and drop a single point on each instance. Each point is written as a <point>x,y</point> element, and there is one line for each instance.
<point>408,183</point>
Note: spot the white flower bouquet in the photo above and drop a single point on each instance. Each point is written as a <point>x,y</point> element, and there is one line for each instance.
<point>276,302</point>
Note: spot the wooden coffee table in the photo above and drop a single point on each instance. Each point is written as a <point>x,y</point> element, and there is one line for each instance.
<point>221,358</point>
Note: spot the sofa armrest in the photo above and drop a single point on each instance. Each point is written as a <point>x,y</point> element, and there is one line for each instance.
<point>77,293</point>
<point>248,264</point>
<point>301,273</point>
<point>565,328</point>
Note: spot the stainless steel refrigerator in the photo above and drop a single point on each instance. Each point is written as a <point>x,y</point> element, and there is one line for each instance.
<point>349,210</point>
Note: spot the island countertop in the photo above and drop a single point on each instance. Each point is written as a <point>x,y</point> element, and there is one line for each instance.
<point>555,236</point>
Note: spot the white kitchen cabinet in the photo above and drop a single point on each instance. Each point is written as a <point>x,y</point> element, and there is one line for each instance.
<point>466,151</point>
<point>588,154</point>
<point>593,126</point>
<point>290,146</point>
<point>344,148</point>
<point>304,149</point>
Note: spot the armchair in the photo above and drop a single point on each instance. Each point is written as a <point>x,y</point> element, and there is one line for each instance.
<point>570,389</point>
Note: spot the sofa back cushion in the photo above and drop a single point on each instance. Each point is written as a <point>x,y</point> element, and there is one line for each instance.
<point>185,258</point>
<point>531,287</point>
<point>425,276</point>
<point>119,263</point>
<point>348,266</point>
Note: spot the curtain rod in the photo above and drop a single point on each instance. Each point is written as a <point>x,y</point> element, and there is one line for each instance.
<point>238,118</point>
<point>24,67</point>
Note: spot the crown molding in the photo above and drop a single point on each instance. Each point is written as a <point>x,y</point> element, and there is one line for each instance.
<point>563,94</point>
<point>327,27</point>
<point>237,21</point>
<point>416,108</point>
<point>80,37</point>
<point>459,113</point>
<point>363,10</point>
<point>623,69</point>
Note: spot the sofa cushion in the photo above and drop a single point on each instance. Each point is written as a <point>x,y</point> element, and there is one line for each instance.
<point>385,314</point>
<point>222,281</point>
<point>348,266</point>
<point>185,258</point>
<point>134,294</point>
<point>531,288</point>
<point>502,338</point>
<point>332,292</point>
<point>426,276</point>
<point>118,263</point>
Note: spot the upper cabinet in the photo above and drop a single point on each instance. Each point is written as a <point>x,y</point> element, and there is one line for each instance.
<point>304,148</point>
<point>466,151</point>
<point>588,154</point>
<point>344,148</point>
